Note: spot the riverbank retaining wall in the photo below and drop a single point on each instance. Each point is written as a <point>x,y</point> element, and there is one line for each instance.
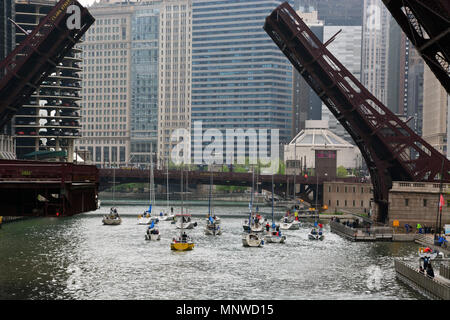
<point>430,287</point>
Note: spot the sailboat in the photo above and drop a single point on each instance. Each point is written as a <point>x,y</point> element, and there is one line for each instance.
<point>290,221</point>
<point>167,214</point>
<point>113,218</point>
<point>146,218</point>
<point>184,242</point>
<point>274,233</point>
<point>185,221</point>
<point>255,223</point>
<point>152,232</point>
<point>251,238</point>
<point>212,226</point>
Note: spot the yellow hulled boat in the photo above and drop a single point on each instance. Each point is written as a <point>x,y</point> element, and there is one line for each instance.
<point>182,246</point>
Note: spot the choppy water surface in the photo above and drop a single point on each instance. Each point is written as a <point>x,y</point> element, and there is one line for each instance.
<point>79,258</point>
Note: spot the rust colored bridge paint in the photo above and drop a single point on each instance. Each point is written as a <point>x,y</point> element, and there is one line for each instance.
<point>34,188</point>
<point>427,25</point>
<point>392,151</point>
<point>308,185</point>
<point>24,69</point>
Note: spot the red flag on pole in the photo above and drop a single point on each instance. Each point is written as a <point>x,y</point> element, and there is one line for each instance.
<point>441,202</point>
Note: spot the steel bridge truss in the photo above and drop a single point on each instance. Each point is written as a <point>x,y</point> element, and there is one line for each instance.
<point>24,69</point>
<point>392,151</point>
<point>427,25</point>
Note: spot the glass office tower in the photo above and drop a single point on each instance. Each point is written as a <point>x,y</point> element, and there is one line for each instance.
<point>240,79</point>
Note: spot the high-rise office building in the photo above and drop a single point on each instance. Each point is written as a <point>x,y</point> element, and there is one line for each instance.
<point>48,124</point>
<point>306,105</point>
<point>240,79</point>
<point>347,49</point>
<point>174,74</point>
<point>7,29</point>
<point>145,26</point>
<point>137,72</point>
<point>7,44</point>
<point>435,112</point>
<point>375,46</point>
<point>333,12</point>
<point>415,91</point>
<point>106,81</point>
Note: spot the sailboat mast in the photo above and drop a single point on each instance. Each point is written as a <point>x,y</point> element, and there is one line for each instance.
<point>210,186</point>
<point>272,197</point>
<point>187,189</point>
<point>181,190</point>
<point>251,198</point>
<point>167,183</point>
<point>114,186</point>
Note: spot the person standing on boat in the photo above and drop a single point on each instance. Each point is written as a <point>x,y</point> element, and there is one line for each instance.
<point>296,215</point>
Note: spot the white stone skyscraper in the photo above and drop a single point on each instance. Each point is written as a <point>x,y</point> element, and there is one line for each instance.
<point>347,49</point>
<point>374,54</point>
<point>175,63</point>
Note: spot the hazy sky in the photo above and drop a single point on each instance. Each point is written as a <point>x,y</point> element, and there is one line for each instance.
<point>86,2</point>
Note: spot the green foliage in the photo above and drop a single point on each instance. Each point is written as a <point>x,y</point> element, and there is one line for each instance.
<point>341,172</point>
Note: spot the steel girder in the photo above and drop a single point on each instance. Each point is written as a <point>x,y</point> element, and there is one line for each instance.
<point>24,69</point>
<point>385,141</point>
<point>427,25</point>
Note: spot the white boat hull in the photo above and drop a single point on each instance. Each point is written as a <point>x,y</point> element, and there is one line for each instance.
<point>111,222</point>
<point>252,240</point>
<point>316,237</point>
<point>186,225</point>
<point>254,228</point>
<point>144,220</point>
<point>211,231</point>
<point>166,217</point>
<point>295,225</point>
<point>274,239</point>
<point>153,237</point>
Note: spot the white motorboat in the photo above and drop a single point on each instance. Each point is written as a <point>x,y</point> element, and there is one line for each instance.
<point>294,225</point>
<point>316,235</point>
<point>252,239</point>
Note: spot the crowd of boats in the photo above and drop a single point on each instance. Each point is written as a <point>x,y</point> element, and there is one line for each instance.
<point>257,231</point>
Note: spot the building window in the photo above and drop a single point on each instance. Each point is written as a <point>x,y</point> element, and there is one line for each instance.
<point>406,202</point>
<point>345,202</point>
<point>337,202</point>
<point>424,202</point>
<point>354,203</point>
<point>362,203</point>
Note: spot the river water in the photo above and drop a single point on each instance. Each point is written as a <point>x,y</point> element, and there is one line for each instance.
<point>79,258</point>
